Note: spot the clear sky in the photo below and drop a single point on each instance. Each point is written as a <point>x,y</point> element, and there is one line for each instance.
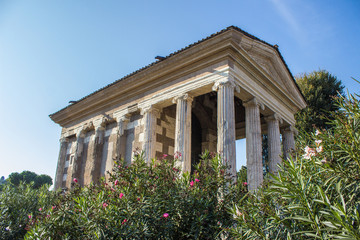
<point>52,52</point>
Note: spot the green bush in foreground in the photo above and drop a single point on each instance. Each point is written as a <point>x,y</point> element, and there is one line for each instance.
<point>145,201</point>
<point>20,206</point>
<point>316,195</point>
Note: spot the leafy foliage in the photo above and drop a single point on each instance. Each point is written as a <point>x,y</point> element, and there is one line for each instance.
<point>317,194</point>
<point>318,89</point>
<point>20,206</point>
<point>146,201</point>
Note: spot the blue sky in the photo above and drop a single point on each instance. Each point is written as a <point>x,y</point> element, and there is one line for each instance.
<point>52,52</point>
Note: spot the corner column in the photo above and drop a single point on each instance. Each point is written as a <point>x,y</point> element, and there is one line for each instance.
<point>288,141</point>
<point>149,114</point>
<point>274,145</point>
<point>183,130</point>
<point>226,123</point>
<point>79,145</point>
<point>97,151</point>
<point>61,163</point>
<point>253,144</point>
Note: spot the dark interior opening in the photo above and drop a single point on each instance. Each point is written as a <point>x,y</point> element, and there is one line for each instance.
<point>196,141</point>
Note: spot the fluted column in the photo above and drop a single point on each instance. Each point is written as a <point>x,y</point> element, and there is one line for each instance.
<point>288,141</point>
<point>274,145</point>
<point>149,115</point>
<point>79,145</point>
<point>97,151</point>
<point>183,130</point>
<point>119,152</point>
<point>253,144</point>
<point>226,123</point>
<point>61,163</point>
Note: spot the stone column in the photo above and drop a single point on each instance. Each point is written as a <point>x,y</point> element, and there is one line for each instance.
<point>274,145</point>
<point>61,163</point>
<point>253,144</point>
<point>119,152</point>
<point>95,166</point>
<point>150,115</point>
<point>288,141</point>
<point>226,123</point>
<point>79,145</point>
<point>183,131</point>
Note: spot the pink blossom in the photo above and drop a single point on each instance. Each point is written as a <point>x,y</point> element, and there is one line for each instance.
<point>40,209</point>
<point>309,152</point>
<point>165,215</point>
<point>317,132</point>
<point>245,184</point>
<point>112,189</point>
<point>121,195</point>
<point>53,207</point>
<point>197,180</point>
<point>124,221</point>
<point>191,183</point>
<point>138,199</point>
<point>75,180</point>
<point>105,204</point>
<point>48,216</point>
<point>175,169</point>
<point>29,216</point>
<point>318,142</point>
<point>116,182</point>
<point>319,149</point>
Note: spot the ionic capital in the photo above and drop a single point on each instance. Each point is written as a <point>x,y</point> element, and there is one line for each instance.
<point>80,133</point>
<point>150,109</point>
<point>184,97</point>
<point>274,116</point>
<point>290,128</point>
<point>63,140</point>
<point>227,82</point>
<point>254,103</point>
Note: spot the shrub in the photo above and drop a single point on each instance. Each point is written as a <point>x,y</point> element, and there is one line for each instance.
<point>314,195</point>
<point>20,206</point>
<point>145,201</point>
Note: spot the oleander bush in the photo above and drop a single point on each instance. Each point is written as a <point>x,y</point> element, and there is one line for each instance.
<point>316,194</point>
<point>20,206</point>
<point>146,201</point>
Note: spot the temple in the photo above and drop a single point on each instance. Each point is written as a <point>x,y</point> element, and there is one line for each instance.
<point>228,86</point>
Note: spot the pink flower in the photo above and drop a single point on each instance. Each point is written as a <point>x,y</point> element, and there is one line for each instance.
<point>165,215</point>
<point>175,169</point>
<point>112,189</point>
<point>197,180</point>
<point>40,209</point>
<point>124,221</point>
<point>105,204</point>
<point>138,199</point>
<point>191,183</point>
<point>318,142</point>
<point>309,152</point>
<point>48,216</point>
<point>319,149</point>
<point>121,195</point>
<point>53,207</point>
<point>245,184</point>
<point>116,182</point>
<point>29,216</point>
<point>75,180</point>
<point>317,132</point>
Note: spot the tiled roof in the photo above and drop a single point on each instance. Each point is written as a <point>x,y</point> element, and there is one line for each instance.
<point>181,50</point>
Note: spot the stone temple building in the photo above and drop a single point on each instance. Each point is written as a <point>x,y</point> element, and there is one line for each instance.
<point>228,86</point>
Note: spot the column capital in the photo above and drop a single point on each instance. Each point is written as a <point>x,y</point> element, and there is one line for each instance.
<point>99,124</point>
<point>254,102</point>
<point>80,133</point>
<point>274,116</point>
<point>230,82</point>
<point>289,128</point>
<point>150,109</point>
<point>63,140</point>
<point>185,97</point>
